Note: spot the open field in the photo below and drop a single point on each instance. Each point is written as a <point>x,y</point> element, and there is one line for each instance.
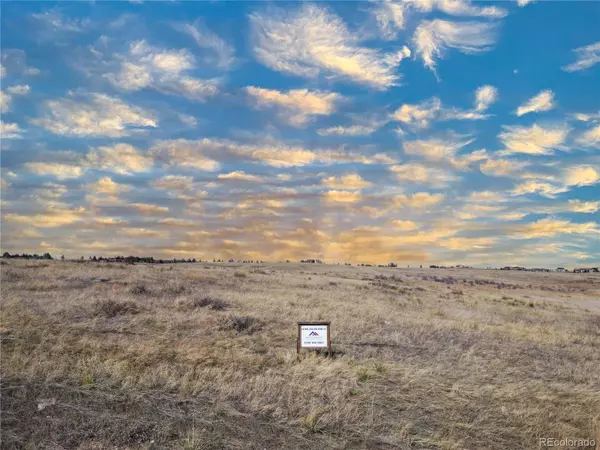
<point>202,356</point>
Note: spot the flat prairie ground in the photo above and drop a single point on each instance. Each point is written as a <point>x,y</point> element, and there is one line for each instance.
<point>202,356</point>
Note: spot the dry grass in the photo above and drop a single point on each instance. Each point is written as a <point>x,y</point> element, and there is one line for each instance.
<point>203,357</point>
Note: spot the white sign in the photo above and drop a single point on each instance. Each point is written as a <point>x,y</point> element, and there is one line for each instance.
<point>314,336</point>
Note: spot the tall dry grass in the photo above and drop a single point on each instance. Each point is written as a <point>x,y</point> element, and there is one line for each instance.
<point>203,356</point>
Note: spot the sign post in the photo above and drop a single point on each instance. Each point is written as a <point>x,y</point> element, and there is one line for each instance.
<point>314,336</point>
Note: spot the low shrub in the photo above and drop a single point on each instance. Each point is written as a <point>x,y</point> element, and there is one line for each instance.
<point>210,303</point>
<point>111,308</point>
<point>241,324</point>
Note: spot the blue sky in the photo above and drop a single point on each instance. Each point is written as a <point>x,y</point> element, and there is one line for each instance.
<point>419,132</point>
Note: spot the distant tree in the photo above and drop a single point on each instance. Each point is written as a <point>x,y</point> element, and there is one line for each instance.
<point>6,255</point>
<point>47,256</point>
<point>62,258</point>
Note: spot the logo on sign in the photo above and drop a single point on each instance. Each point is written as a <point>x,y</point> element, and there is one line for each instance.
<point>314,333</point>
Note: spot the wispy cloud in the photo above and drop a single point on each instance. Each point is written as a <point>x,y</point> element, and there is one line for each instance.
<point>589,138</point>
<point>420,174</point>
<point>544,101</point>
<point>224,52</point>
<point>313,40</point>
<point>485,96</point>
<point>391,15</point>
<point>296,106</point>
<point>586,57</point>
<point>534,140</point>
<point>96,115</point>
<point>433,37</point>
<point>10,130</point>
<point>165,70</point>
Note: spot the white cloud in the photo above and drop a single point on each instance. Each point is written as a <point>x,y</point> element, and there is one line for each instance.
<point>391,15</point>
<point>55,21</point>
<point>5,100</point>
<point>444,150</point>
<point>539,187</point>
<point>587,57</point>
<point>419,115</point>
<point>18,90</point>
<point>3,71</point>
<point>188,120</point>
<point>164,70</point>
<point>432,37</point>
<point>97,116</point>
<point>349,181</point>
<point>58,170</point>
<point>485,96</point>
<point>534,140</point>
<point>581,175</point>
<point>296,105</point>
<point>462,8</point>
<point>544,101</point>
<point>522,3</point>
<point>175,183</point>
<point>239,175</point>
<point>590,138</point>
<point>420,174</point>
<point>352,130</point>
<point>420,200</point>
<point>579,206</point>
<point>225,54</point>
<point>120,158</point>
<point>312,40</point>
<point>10,130</point>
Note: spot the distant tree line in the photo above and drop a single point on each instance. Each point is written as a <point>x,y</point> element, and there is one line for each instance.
<point>140,259</point>
<point>27,256</point>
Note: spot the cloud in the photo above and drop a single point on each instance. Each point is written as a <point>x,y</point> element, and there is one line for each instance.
<point>54,21</point>
<point>502,167</point>
<point>3,71</point>
<point>444,150</point>
<point>312,40</point>
<point>10,130</point>
<point>544,101</point>
<point>523,3</point>
<point>458,8</point>
<point>391,15</point>
<point>352,130</point>
<point>5,100</point>
<point>225,53</point>
<point>336,196</point>
<point>123,159</point>
<point>590,138</point>
<point>164,70</point>
<point>174,183</point>
<point>538,187</point>
<point>188,120</point>
<point>431,38</point>
<point>485,96</point>
<point>58,170</point>
<point>587,57</point>
<point>19,89</point>
<point>549,227</point>
<point>405,225</point>
<point>349,181</point>
<point>534,140</point>
<point>419,200</point>
<point>98,115</point>
<point>297,106</point>
<point>14,62</point>
<point>105,192</point>
<point>239,175</point>
<point>52,217</point>
<point>150,209</point>
<point>581,175</point>
<point>205,153</point>
<point>421,115</point>
<point>420,174</point>
<point>576,205</point>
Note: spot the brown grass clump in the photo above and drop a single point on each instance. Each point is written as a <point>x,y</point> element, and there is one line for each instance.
<point>111,308</point>
<point>98,356</point>
<point>210,303</point>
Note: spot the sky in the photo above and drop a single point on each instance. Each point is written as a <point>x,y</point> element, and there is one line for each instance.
<point>415,132</point>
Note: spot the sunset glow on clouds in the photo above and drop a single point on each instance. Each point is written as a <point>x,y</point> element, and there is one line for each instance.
<point>415,132</point>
